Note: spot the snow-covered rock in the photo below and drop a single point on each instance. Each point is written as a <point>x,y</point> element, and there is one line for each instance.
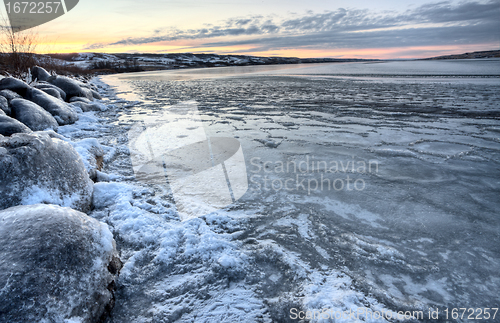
<point>52,92</point>
<point>35,168</point>
<point>61,111</point>
<point>86,107</point>
<point>9,95</point>
<point>4,105</point>
<point>88,93</point>
<point>32,115</point>
<point>9,126</point>
<point>46,85</point>
<point>70,87</point>
<point>79,99</point>
<point>96,95</point>
<point>39,73</point>
<point>13,84</point>
<point>56,265</point>
<point>92,154</point>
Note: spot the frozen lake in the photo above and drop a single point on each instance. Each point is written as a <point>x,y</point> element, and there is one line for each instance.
<point>372,187</point>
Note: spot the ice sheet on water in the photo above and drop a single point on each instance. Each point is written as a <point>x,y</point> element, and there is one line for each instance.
<point>302,223</point>
<point>169,260</point>
<point>427,214</point>
<point>328,295</point>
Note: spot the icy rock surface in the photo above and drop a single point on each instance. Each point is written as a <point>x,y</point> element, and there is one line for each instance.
<point>62,112</point>
<point>54,265</point>
<point>46,85</point>
<point>92,154</point>
<point>4,105</point>
<point>35,168</point>
<point>9,126</point>
<point>86,107</point>
<point>9,95</point>
<point>79,99</point>
<point>39,73</point>
<point>51,91</point>
<point>96,95</point>
<point>32,115</point>
<point>70,87</point>
<point>13,84</point>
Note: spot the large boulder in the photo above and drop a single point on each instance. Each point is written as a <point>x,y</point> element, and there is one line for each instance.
<point>10,126</point>
<point>9,95</point>
<point>39,73</point>
<point>70,87</point>
<point>56,265</point>
<point>13,84</point>
<point>35,168</point>
<point>60,110</point>
<point>46,85</point>
<point>51,91</point>
<point>32,115</point>
<point>4,105</point>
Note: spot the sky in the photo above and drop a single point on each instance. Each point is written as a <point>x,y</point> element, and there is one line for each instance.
<point>338,29</point>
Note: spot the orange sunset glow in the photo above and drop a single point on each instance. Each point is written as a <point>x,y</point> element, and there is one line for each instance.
<point>293,29</point>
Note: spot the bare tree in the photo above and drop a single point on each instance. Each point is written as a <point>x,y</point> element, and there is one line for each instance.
<point>17,48</point>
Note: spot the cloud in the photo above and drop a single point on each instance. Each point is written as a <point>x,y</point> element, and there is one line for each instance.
<point>478,34</point>
<point>438,23</point>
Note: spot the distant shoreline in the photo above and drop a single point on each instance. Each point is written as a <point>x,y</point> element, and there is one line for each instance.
<point>102,63</point>
<point>473,55</point>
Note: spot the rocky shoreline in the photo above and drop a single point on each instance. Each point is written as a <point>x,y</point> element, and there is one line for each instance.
<point>57,263</point>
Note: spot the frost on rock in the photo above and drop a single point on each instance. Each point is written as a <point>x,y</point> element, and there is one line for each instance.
<point>4,105</point>
<point>62,112</point>
<point>70,87</point>
<point>35,168</point>
<point>39,73</point>
<point>92,154</point>
<point>32,115</point>
<point>9,95</point>
<point>9,126</point>
<point>13,84</point>
<point>44,86</point>
<point>54,265</point>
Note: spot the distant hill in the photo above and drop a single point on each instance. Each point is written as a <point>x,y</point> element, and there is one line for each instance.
<point>126,62</point>
<point>102,63</point>
<point>173,60</point>
<point>483,54</point>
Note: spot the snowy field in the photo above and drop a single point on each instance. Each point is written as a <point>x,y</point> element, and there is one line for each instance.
<point>373,189</point>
